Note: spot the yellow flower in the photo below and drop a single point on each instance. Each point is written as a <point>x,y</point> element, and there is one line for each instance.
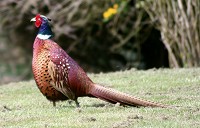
<point>112,11</point>
<point>115,6</point>
<point>106,15</point>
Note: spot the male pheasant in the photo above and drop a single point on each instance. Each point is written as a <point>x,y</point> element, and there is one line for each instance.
<point>59,77</point>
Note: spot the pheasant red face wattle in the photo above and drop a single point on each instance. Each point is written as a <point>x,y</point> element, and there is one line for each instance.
<point>38,21</point>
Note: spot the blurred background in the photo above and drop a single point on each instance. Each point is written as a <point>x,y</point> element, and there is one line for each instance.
<point>103,35</point>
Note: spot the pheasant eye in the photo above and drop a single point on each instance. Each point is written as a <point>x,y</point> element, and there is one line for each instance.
<point>38,21</point>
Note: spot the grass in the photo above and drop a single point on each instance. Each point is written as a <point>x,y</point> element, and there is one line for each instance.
<point>22,105</point>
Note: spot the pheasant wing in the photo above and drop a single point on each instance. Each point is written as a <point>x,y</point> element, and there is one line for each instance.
<point>58,68</point>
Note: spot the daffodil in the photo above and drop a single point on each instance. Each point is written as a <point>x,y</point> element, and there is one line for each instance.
<point>110,11</point>
<point>106,15</point>
<point>115,6</point>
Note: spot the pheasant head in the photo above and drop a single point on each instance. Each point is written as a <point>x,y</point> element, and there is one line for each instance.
<point>42,22</point>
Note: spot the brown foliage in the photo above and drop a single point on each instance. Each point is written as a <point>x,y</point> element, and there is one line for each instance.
<point>179,24</point>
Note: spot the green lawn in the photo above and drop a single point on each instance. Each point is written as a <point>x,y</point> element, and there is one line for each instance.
<point>22,105</point>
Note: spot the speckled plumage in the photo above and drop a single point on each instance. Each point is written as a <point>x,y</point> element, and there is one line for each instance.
<point>59,77</point>
<point>52,68</point>
<point>41,59</point>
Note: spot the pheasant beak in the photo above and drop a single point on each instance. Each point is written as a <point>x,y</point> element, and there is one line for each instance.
<point>33,19</point>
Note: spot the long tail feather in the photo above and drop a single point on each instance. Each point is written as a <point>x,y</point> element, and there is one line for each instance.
<point>114,96</point>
